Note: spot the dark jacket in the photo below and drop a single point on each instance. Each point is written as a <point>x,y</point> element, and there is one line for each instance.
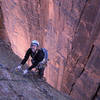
<point>36,57</point>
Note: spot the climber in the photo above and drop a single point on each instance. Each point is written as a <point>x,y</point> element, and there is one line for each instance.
<point>39,58</point>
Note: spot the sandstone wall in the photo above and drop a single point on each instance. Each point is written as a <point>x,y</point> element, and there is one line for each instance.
<point>3,33</point>
<point>63,21</point>
<point>69,30</point>
<point>21,20</point>
<point>82,73</point>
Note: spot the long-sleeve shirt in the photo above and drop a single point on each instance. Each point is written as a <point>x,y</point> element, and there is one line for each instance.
<point>36,56</point>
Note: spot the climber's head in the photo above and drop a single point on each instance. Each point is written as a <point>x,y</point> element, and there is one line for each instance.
<point>34,45</point>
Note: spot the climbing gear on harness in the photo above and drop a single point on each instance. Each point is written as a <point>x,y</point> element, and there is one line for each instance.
<point>44,61</point>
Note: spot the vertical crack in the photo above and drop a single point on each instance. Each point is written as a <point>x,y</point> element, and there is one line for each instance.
<point>97,90</point>
<point>81,16</point>
<point>72,5</point>
<point>40,3</point>
<point>91,50</point>
<point>59,10</point>
<point>72,88</point>
<point>38,11</point>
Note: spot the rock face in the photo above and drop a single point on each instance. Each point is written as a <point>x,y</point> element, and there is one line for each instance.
<point>3,33</point>
<point>17,87</point>
<point>69,29</point>
<point>82,73</point>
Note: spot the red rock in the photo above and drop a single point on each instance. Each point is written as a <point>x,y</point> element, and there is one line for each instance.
<point>70,30</point>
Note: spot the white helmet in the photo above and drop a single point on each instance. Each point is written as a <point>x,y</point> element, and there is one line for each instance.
<point>35,42</point>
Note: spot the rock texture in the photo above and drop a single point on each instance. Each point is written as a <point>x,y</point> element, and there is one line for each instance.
<point>17,87</point>
<point>82,71</point>
<point>69,29</point>
<point>3,34</point>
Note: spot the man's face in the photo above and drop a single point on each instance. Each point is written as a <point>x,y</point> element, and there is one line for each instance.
<point>34,48</point>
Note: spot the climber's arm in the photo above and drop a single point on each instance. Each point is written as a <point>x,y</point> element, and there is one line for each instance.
<point>26,56</point>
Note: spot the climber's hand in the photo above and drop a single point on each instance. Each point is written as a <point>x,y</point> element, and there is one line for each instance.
<point>19,67</point>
